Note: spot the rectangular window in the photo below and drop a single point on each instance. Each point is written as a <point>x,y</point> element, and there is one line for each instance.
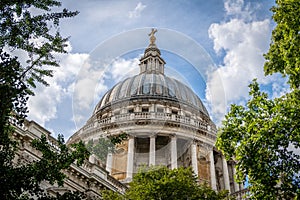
<point>160,110</point>
<point>175,112</point>
<point>130,110</point>
<point>145,109</point>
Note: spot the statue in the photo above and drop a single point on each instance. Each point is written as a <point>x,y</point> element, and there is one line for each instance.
<point>152,37</point>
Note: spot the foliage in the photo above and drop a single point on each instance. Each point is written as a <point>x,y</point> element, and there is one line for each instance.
<point>13,95</point>
<point>66,196</point>
<point>30,29</point>
<point>284,55</point>
<point>17,181</point>
<point>105,145</point>
<point>264,136</point>
<point>54,161</point>
<point>261,138</point>
<point>162,183</point>
<point>117,139</point>
<point>111,195</point>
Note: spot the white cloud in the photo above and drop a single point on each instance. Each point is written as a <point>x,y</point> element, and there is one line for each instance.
<point>43,106</point>
<point>237,8</point>
<point>94,79</point>
<point>243,43</point>
<point>137,10</point>
<point>122,68</point>
<point>85,86</point>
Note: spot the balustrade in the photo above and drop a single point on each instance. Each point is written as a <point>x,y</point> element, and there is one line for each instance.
<point>153,115</point>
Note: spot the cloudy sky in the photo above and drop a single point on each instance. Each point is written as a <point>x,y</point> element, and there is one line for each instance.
<point>213,46</point>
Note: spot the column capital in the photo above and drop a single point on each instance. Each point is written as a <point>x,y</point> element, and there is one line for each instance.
<point>153,135</point>
<point>195,141</point>
<point>131,136</point>
<point>231,162</point>
<point>206,145</point>
<point>173,135</point>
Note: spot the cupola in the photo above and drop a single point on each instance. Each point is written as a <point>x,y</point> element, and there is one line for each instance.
<point>151,62</point>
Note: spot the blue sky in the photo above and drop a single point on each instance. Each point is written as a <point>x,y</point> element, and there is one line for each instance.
<point>213,46</point>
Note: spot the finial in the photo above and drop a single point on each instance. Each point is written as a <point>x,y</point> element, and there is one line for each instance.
<point>152,37</point>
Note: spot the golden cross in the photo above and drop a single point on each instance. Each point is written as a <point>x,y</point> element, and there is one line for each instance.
<point>152,37</point>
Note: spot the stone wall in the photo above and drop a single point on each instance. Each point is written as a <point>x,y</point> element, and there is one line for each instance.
<point>90,178</point>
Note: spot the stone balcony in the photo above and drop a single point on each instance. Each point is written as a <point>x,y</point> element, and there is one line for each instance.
<point>202,128</point>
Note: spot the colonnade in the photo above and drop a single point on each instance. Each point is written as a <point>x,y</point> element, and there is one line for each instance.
<point>173,159</point>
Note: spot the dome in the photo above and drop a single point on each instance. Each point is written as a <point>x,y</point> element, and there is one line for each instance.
<point>151,86</point>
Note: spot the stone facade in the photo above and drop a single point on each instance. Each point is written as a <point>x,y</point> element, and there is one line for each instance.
<point>90,178</point>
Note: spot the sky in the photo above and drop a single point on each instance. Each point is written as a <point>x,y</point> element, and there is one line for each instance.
<point>215,47</point>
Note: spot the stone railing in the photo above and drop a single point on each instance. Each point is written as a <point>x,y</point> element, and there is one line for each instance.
<point>207,128</point>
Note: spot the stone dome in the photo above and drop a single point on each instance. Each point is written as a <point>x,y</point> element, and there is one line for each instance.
<point>149,95</point>
<point>151,86</point>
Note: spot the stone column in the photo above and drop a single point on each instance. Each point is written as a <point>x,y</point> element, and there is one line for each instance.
<point>152,150</point>
<point>236,185</point>
<point>152,108</point>
<point>130,158</point>
<point>225,174</point>
<point>109,160</point>
<point>194,158</point>
<point>152,111</point>
<point>212,171</point>
<point>173,152</point>
<point>241,186</point>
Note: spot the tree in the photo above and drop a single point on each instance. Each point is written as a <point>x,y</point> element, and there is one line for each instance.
<point>105,145</point>
<point>263,135</point>
<point>23,181</point>
<point>261,138</point>
<point>30,27</point>
<point>162,183</point>
<point>283,55</point>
